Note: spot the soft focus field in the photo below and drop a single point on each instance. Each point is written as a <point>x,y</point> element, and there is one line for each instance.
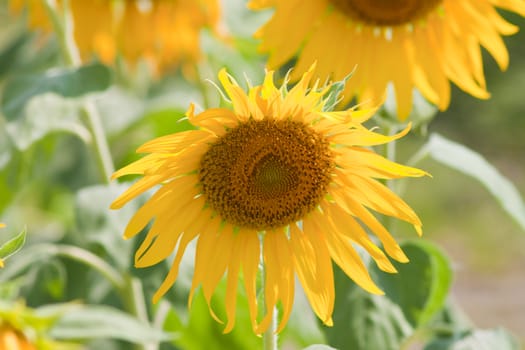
<point>46,187</point>
<point>487,248</point>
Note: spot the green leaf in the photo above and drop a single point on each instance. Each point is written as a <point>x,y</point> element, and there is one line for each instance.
<point>334,93</point>
<point>363,321</point>
<point>67,82</point>
<point>13,245</point>
<point>100,225</point>
<point>8,56</point>
<point>421,286</point>
<point>490,339</point>
<point>470,163</point>
<point>44,114</point>
<point>55,278</point>
<point>105,322</point>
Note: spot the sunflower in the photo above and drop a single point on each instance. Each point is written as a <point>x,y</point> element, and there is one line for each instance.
<point>408,43</point>
<point>23,328</point>
<point>164,33</point>
<point>277,177</point>
<point>10,338</point>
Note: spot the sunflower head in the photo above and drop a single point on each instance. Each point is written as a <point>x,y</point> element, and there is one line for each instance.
<point>277,180</point>
<point>408,44</point>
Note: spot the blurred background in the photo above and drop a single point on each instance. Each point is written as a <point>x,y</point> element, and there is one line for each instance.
<point>40,172</point>
<point>486,246</point>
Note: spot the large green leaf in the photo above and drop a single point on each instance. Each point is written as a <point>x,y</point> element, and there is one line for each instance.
<point>44,114</point>
<point>363,321</point>
<point>491,339</point>
<point>421,286</point>
<point>105,322</point>
<point>470,163</point>
<point>98,224</point>
<point>412,297</point>
<point>8,56</point>
<point>67,82</point>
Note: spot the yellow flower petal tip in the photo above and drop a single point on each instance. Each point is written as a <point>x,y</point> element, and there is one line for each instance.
<point>283,180</point>
<point>424,42</point>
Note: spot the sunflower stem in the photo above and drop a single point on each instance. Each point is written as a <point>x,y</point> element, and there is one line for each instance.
<point>390,154</point>
<point>100,144</point>
<point>63,27</point>
<point>133,297</point>
<point>202,88</point>
<point>270,336</point>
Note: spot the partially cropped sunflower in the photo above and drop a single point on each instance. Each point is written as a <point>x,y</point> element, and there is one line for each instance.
<point>12,339</point>
<point>278,177</point>
<point>23,328</point>
<point>409,43</point>
<point>164,33</point>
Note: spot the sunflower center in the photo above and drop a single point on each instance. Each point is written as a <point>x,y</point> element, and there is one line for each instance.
<point>386,12</point>
<point>266,174</point>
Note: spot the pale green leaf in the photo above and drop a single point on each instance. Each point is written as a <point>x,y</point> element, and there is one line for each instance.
<point>105,322</point>
<point>479,339</point>
<point>470,163</point>
<point>67,82</point>
<point>98,224</point>
<point>44,114</point>
<point>319,347</point>
<point>13,245</point>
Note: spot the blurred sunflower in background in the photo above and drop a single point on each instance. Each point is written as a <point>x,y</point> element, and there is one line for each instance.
<point>24,328</point>
<point>423,44</point>
<point>13,339</point>
<point>163,33</point>
<point>279,176</point>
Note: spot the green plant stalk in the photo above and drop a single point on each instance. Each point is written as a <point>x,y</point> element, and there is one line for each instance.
<point>133,297</point>
<point>270,336</point>
<point>389,152</point>
<point>130,289</point>
<point>202,88</point>
<point>63,26</point>
<point>89,259</point>
<point>100,144</point>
